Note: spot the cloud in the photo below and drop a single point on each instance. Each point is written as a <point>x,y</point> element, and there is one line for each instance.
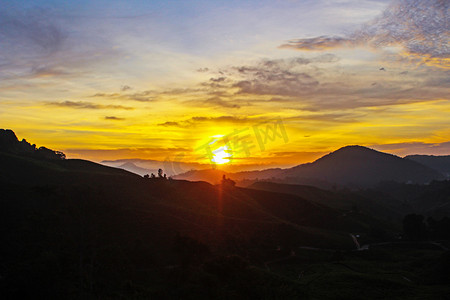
<point>144,96</point>
<point>318,83</point>
<point>282,77</point>
<point>47,71</point>
<point>409,148</point>
<point>169,123</point>
<point>282,83</point>
<point>348,117</point>
<point>420,27</point>
<point>221,119</point>
<point>201,119</point>
<point>319,43</point>
<point>439,81</point>
<point>30,30</point>
<point>113,118</point>
<point>37,71</point>
<point>210,94</point>
<point>106,95</point>
<point>277,77</point>
<point>104,154</point>
<point>286,63</point>
<point>220,102</point>
<point>87,105</point>
<point>219,79</point>
<point>124,88</point>
<point>42,42</point>
<point>223,101</point>
<point>148,95</point>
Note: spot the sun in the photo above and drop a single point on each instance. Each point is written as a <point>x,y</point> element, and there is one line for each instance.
<point>222,155</point>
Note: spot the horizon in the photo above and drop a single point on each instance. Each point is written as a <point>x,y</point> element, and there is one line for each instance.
<point>241,85</point>
<point>179,167</point>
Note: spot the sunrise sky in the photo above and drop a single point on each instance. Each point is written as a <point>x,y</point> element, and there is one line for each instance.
<point>162,79</point>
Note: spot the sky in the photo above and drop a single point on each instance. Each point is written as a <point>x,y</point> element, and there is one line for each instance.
<point>255,83</point>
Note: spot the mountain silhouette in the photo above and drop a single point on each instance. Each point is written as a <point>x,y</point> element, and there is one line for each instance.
<point>439,163</point>
<point>358,166</point>
<point>131,167</point>
<point>350,166</point>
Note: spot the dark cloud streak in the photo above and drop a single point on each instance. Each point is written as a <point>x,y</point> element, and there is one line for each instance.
<point>200,119</point>
<point>86,105</point>
<point>114,118</point>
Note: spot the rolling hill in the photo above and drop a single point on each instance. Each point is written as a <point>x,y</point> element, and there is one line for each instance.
<point>77,229</point>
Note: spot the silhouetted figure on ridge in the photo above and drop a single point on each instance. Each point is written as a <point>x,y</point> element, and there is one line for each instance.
<point>227,182</point>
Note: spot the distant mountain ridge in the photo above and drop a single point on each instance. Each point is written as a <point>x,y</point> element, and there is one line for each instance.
<point>440,163</point>
<point>360,166</point>
<point>129,166</point>
<point>148,166</point>
<point>351,166</point>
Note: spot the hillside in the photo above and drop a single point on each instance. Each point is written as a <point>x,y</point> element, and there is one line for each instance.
<point>24,163</point>
<point>80,226</point>
<point>77,229</point>
<point>438,163</point>
<point>345,201</point>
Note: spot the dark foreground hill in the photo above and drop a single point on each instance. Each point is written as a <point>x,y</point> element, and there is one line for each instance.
<point>74,229</point>
<point>343,200</point>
